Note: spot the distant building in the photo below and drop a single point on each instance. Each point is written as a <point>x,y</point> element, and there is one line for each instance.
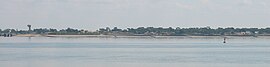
<point>29,29</point>
<point>256,32</point>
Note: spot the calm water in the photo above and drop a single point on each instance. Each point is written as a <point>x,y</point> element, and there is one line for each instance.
<point>134,52</point>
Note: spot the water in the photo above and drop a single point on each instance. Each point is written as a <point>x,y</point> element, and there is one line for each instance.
<point>134,52</point>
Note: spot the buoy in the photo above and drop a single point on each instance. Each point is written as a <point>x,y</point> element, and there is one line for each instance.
<point>224,40</point>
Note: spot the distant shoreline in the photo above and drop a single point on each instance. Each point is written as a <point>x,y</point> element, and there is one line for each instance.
<point>138,32</point>
<point>126,36</point>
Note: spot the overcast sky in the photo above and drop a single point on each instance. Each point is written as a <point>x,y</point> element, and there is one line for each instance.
<point>93,14</point>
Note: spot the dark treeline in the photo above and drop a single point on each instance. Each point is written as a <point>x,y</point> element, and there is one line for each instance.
<point>68,31</point>
<point>159,31</point>
<point>204,31</point>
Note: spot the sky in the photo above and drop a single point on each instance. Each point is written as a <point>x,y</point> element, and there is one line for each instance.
<point>94,14</point>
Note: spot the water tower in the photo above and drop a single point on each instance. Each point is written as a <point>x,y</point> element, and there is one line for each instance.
<point>29,28</point>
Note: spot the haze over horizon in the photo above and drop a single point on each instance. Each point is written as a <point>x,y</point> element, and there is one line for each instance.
<point>94,14</point>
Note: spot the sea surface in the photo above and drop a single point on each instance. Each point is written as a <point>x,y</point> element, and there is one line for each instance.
<point>134,52</point>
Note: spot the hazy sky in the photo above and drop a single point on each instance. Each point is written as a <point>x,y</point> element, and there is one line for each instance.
<point>93,14</point>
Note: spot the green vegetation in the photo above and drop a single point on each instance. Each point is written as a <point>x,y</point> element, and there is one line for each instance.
<point>148,31</point>
<point>204,31</point>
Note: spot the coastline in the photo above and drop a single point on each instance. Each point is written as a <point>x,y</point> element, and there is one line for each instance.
<point>157,37</point>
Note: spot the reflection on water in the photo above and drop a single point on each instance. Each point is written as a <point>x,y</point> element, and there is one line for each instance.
<point>29,39</point>
<point>133,52</point>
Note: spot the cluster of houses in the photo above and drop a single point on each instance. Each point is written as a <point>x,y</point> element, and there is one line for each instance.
<point>10,34</point>
<point>247,33</point>
<point>6,34</point>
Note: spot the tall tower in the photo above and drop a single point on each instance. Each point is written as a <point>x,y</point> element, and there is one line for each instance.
<point>29,28</point>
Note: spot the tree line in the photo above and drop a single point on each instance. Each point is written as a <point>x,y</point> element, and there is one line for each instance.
<point>205,31</point>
